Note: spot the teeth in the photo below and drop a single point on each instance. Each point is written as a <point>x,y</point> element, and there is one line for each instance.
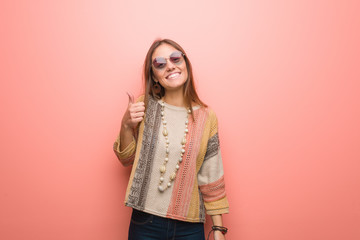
<point>173,75</point>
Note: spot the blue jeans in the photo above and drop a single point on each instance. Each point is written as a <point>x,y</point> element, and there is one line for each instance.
<point>145,226</point>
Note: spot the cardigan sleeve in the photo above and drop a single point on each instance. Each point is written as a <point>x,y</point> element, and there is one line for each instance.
<point>211,174</point>
<point>127,156</point>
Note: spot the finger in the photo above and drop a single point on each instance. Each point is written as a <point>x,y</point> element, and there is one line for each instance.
<point>141,104</point>
<point>135,108</point>
<point>137,114</point>
<point>138,104</point>
<point>137,120</point>
<point>131,97</point>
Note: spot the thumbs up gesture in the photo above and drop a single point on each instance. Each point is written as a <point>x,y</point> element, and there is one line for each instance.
<point>133,114</point>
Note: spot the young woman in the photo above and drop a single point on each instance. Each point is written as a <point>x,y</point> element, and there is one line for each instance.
<point>170,137</point>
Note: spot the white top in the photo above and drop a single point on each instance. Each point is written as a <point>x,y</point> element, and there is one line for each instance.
<point>157,202</point>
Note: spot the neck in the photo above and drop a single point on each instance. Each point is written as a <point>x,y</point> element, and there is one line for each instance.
<point>175,98</point>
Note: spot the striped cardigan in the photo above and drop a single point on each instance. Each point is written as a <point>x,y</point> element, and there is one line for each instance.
<point>200,187</point>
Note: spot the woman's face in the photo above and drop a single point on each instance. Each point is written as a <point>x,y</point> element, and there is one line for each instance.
<point>173,76</point>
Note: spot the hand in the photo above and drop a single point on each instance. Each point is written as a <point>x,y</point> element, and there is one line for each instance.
<point>133,114</point>
<point>218,235</point>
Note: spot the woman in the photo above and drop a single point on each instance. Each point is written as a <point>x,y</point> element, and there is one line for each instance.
<point>170,137</point>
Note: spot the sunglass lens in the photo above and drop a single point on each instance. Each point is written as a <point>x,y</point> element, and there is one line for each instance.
<point>175,57</point>
<point>159,62</point>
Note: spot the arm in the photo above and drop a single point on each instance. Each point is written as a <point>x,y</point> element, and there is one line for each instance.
<point>124,146</point>
<point>217,221</point>
<point>133,115</point>
<point>211,180</point>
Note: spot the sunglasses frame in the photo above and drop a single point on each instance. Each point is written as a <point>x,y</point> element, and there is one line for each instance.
<point>166,60</point>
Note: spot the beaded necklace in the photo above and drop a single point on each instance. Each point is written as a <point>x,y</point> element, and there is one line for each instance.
<point>165,133</point>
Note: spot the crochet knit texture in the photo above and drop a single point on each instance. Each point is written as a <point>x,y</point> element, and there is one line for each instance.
<point>199,185</point>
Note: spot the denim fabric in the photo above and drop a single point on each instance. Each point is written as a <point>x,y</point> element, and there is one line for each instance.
<point>145,226</point>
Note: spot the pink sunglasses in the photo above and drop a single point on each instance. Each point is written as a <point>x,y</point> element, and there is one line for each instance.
<point>176,58</point>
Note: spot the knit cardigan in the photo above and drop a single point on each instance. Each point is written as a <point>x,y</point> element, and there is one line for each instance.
<point>199,187</point>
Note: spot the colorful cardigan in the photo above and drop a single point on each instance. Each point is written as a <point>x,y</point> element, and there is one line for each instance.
<point>200,186</point>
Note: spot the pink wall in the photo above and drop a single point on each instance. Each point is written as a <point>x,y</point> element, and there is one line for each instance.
<point>283,77</point>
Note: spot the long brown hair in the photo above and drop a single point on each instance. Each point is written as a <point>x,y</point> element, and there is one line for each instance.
<point>190,93</point>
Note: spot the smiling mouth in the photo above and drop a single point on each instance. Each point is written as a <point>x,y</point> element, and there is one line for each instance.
<point>173,75</point>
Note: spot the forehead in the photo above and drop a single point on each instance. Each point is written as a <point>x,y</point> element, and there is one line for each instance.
<point>164,50</point>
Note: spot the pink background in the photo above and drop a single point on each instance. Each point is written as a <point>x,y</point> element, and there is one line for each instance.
<point>282,76</point>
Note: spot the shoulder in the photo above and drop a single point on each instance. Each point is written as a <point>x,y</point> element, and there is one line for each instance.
<point>211,114</point>
<point>211,121</point>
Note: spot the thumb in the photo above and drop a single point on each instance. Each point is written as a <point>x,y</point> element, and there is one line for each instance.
<point>131,98</point>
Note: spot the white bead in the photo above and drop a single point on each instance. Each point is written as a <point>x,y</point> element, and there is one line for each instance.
<point>165,132</point>
<point>167,150</point>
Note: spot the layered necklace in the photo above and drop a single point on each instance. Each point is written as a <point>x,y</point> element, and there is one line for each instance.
<point>165,133</point>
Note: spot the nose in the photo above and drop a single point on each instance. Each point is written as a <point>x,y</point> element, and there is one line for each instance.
<point>169,65</point>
